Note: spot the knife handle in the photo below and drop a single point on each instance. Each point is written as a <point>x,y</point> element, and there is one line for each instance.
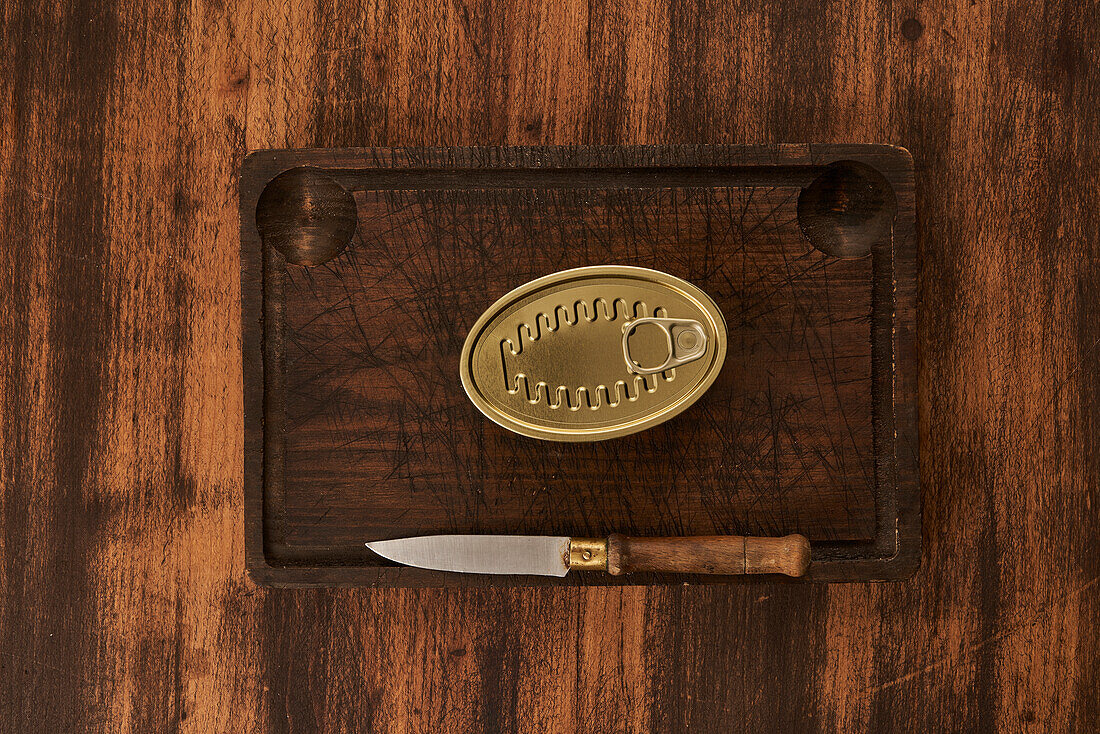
<point>717,554</point>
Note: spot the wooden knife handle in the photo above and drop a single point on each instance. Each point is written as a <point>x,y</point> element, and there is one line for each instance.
<point>717,554</point>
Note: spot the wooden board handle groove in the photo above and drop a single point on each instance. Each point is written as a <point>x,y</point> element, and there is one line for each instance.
<point>715,554</point>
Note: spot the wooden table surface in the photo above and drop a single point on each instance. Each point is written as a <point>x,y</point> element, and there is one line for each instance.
<point>123,600</point>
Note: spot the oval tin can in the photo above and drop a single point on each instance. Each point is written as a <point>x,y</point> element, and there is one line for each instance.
<point>593,353</point>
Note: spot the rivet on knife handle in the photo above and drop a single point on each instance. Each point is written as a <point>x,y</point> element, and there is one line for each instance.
<point>714,554</point>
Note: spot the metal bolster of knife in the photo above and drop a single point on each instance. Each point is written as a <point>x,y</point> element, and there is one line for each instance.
<point>588,554</point>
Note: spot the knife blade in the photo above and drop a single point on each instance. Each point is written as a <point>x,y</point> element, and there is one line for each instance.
<point>617,554</point>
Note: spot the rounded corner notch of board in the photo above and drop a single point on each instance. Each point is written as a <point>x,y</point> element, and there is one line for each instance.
<point>847,209</point>
<point>306,215</point>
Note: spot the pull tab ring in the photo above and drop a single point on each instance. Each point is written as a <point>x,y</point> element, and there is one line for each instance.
<point>686,340</point>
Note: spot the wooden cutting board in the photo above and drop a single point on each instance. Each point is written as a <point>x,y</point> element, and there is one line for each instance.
<point>362,271</point>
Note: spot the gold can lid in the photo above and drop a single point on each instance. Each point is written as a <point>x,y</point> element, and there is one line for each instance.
<point>593,353</point>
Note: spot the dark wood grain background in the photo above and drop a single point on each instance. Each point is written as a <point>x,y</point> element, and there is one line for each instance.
<point>123,600</point>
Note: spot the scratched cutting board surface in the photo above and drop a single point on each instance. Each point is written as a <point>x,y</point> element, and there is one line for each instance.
<point>357,426</point>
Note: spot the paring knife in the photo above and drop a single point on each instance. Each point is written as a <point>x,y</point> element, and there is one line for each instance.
<point>617,554</point>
